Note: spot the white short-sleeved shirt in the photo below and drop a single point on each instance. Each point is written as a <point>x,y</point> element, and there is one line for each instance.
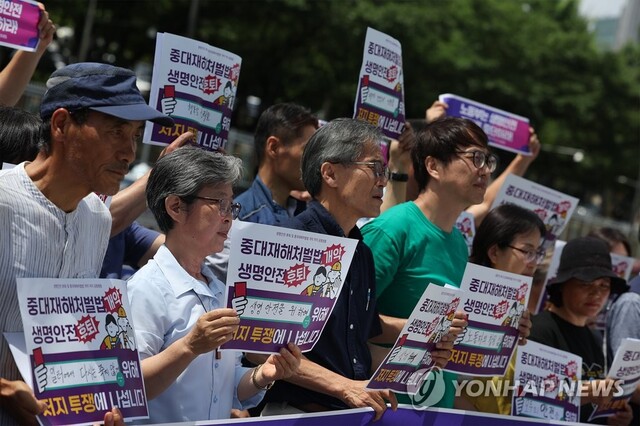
<point>166,302</point>
<point>37,239</point>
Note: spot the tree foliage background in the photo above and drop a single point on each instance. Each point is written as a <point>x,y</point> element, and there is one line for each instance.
<point>535,58</point>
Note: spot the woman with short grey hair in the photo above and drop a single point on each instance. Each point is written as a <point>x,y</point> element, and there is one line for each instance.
<point>178,307</point>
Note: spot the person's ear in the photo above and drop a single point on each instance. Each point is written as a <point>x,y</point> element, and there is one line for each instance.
<point>60,122</point>
<point>272,146</point>
<point>175,207</point>
<point>329,174</point>
<point>433,166</point>
<point>492,254</point>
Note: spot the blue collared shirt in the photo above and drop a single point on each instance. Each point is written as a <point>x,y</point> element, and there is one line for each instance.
<point>258,205</point>
<point>165,304</point>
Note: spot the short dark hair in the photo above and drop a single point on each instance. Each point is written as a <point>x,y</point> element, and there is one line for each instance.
<point>611,236</point>
<point>441,139</point>
<point>284,121</point>
<point>500,227</point>
<point>19,135</point>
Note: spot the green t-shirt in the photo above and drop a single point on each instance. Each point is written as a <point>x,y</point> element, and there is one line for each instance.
<point>409,253</point>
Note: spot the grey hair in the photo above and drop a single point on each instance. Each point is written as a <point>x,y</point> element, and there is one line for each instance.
<point>340,141</point>
<point>183,173</point>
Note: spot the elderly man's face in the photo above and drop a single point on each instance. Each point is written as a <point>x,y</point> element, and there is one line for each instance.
<point>360,189</point>
<point>101,149</point>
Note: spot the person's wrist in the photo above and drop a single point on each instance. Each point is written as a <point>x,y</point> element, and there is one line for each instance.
<point>256,383</point>
<point>397,176</point>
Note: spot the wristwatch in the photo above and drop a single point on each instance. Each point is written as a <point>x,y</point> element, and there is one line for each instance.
<point>399,177</point>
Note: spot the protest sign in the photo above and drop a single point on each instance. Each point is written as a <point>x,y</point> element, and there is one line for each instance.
<point>409,361</point>
<point>19,24</point>
<point>284,284</point>
<point>495,301</point>
<point>505,130</point>
<point>622,265</point>
<point>195,84</point>
<point>380,94</point>
<point>82,350</point>
<point>553,207</point>
<point>466,224</point>
<point>625,370</point>
<point>547,383</point>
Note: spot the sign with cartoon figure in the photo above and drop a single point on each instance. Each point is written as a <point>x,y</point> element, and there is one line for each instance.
<point>553,207</point>
<point>505,130</point>
<point>82,350</point>
<point>547,383</point>
<point>495,301</point>
<point>625,371</point>
<point>380,95</point>
<point>409,361</point>
<point>284,284</point>
<point>467,226</point>
<point>195,84</point>
<point>19,24</point>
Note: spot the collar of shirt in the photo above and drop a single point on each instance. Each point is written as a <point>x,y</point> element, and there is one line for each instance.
<point>181,282</point>
<point>329,223</point>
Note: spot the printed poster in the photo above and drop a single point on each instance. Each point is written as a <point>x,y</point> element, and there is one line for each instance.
<point>622,265</point>
<point>19,24</point>
<point>625,369</point>
<point>495,301</point>
<point>466,224</point>
<point>505,130</point>
<point>553,207</point>
<point>552,272</point>
<point>80,342</point>
<point>548,383</point>
<point>284,284</point>
<point>196,85</point>
<point>380,95</point>
<point>409,361</point>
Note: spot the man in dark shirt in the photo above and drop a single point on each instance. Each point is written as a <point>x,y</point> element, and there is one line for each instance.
<point>344,172</point>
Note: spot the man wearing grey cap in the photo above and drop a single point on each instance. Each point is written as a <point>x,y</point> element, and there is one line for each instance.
<point>53,225</point>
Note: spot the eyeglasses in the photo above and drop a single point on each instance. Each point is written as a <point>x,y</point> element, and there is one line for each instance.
<point>379,169</point>
<point>225,206</point>
<point>531,255</point>
<point>481,159</point>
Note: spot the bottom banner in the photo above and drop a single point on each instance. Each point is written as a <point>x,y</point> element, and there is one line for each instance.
<point>404,416</point>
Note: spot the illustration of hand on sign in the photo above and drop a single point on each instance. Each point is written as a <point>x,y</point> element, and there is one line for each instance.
<point>168,102</point>
<point>239,301</point>
<point>40,370</point>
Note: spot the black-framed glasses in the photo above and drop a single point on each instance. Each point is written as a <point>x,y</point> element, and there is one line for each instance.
<point>481,159</point>
<point>226,206</point>
<point>531,255</point>
<point>379,169</point>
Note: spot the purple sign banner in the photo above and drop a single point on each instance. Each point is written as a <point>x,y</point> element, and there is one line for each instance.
<point>196,85</point>
<point>409,361</point>
<point>284,284</point>
<point>380,94</point>
<point>405,415</point>
<point>495,301</point>
<point>81,348</point>
<point>505,130</point>
<point>548,383</point>
<point>19,24</point>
